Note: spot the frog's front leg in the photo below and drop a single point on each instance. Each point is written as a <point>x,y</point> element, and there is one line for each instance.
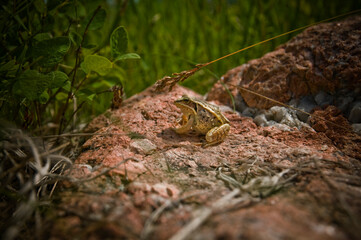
<point>183,120</point>
<point>217,134</point>
<point>186,127</point>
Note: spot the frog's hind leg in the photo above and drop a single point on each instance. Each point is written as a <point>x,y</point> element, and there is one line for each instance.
<point>217,134</point>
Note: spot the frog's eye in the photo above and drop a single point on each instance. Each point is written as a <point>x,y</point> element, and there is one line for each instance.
<point>185,98</point>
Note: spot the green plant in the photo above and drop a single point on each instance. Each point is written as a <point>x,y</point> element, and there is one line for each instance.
<point>51,63</point>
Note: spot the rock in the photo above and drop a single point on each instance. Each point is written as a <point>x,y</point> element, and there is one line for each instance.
<point>143,146</point>
<point>307,104</point>
<point>161,180</point>
<point>343,103</point>
<point>148,182</point>
<point>321,61</point>
<point>355,113</point>
<point>331,122</point>
<point>285,116</point>
<point>249,112</point>
<point>357,128</point>
<point>322,99</point>
<point>280,117</point>
<point>261,120</point>
<point>166,190</point>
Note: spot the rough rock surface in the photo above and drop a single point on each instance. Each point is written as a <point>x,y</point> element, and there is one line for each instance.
<point>277,179</point>
<point>142,180</point>
<point>319,67</point>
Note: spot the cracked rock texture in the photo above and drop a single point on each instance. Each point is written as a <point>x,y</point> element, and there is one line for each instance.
<point>141,180</point>
<point>161,181</point>
<point>323,64</point>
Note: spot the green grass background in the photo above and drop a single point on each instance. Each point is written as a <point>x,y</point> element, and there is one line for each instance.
<point>172,36</point>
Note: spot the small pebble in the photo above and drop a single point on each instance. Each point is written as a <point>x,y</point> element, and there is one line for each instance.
<point>307,103</point>
<point>343,103</point>
<point>260,120</point>
<point>357,128</point>
<point>322,99</point>
<point>355,113</point>
<point>143,146</point>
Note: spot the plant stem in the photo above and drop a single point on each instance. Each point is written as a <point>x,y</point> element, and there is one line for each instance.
<point>77,60</point>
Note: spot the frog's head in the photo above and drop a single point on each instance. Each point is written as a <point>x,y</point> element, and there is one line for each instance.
<point>186,105</point>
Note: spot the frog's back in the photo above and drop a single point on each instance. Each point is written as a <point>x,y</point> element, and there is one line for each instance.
<point>208,117</point>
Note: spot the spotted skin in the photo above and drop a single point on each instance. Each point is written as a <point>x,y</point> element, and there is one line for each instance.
<point>204,118</point>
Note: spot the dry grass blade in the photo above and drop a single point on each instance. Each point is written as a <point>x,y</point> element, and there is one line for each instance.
<point>261,186</point>
<point>344,198</point>
<point>204,213</point>
<point>24,167</point>
<point>176,78</point>
<point>150,223</point>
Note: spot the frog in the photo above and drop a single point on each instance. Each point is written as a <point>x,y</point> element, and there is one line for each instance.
<point>202,117</point>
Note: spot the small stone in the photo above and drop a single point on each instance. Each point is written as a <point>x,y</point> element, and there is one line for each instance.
<point>357,128</point>
<point>260,120</point>
<point>343,103</point>
<point>307,104</point>
<point>324,147</point>
<point>143,146</point>
<point>192,164</point>
<point>282,127</point>
<point>166,190</point>
<point>279,113</point>
<point>355,114</point>
<point>240,104</point>
<point>322,99</point>
<point>249,112</point>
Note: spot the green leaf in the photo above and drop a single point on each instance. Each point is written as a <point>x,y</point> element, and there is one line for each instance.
<point>22,56</point>
<point>32,84</point>
<point>98,64</point>
<point>118,42</point>
<point>90,46</point>
<point>42,36</point>
<point>57,79</point>
<point>73,10</point>
<point>115,76</point>
<point>51,51</point>
<point>98,20</point>
<point>61,96</point>
<point>128,56</point>
<point>51,4</point>
<point>86,95</point>
<point>9,69</point>
<point>9,66</point>
<point>67,86</point>
<point>75,38</point>
<point>40,6</point>
<point>44,97</point>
